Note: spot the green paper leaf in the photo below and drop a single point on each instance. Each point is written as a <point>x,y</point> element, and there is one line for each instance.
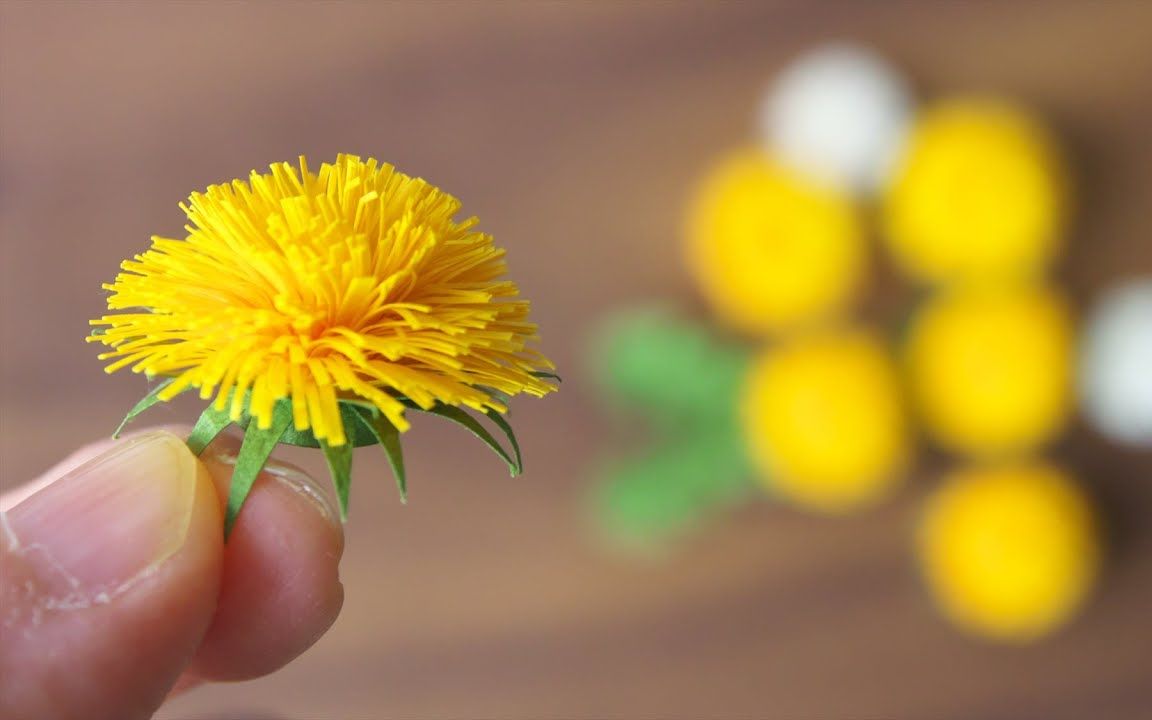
<point>254,453</point>
<point>677,373</point>
<point>210,424</point>
<point>145,402</point>
<point>339,459</point>
<point>389,438</point>
<point>460,417</point>
<point>673,488</point>
<point>500,422</point>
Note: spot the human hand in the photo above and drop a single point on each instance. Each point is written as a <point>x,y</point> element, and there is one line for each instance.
<point>117,590</point>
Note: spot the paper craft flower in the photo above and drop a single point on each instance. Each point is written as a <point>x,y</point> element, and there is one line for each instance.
<point>980,191</point>
<point>991,368</point>
<point>319,308</point>
<point>824,420</point>
<point>772,250</point>
<point>1009,552</point>
<point>840,113</point>
<point>1116,363</point>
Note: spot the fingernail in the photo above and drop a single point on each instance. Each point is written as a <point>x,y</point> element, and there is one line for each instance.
<point>300,482</point>
<point>113,517</point>
<point>321,495</point>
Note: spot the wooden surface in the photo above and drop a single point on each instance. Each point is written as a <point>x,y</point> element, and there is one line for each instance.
<point>574,132</point>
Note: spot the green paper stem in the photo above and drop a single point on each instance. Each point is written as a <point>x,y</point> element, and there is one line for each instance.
<point>389,438</point>
<point>254,453</point>
<point>145,402</point>
<point>211,423</point>
<point>458,416</point>
<point>339,459</point>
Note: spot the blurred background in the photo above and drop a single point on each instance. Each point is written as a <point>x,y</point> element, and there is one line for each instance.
<point>579,134</point>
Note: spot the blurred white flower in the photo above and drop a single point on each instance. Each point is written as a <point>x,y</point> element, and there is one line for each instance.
<point>1117,364</point>
<point>840,113</point>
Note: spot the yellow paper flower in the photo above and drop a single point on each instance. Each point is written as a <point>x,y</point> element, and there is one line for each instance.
<point>991,367</point>
<point>319,304</point>
<point>1009,552</point>
<point>770,249</point>
<point>824,420</point>
<point>980,192</point>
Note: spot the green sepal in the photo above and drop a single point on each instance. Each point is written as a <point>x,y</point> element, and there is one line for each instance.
<point>458,416</point>
<point>211,423</point>
<point>339,459</point>
<point>499,421</point>
<point>389,438</point>
<point>254,453</point>
<point>363,423</point>
<point>547,376</point>
<point>497,395</point>
<point>145,402</point>
<point>357,435</point>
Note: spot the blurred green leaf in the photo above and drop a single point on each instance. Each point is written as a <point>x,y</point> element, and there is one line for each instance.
<point>673,372</point>
<point>674,487</point>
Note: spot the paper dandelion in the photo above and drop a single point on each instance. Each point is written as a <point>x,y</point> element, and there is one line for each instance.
<point>1116,363</point>
<point>1009,551</point>
<point>772,250</point>
<point>838,113</point>
<point>824,420</point>
<point>991,368</point>
<point>981,191</point>
<point>318,309</point>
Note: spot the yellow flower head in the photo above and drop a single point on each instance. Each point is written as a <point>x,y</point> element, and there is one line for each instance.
<point>318,308</point>
<point>980,192</point>
<point>824,421</point>
<point>353,282</point>
<point>1009,552</point>
<point>991,367</point>
<point>770,249</point>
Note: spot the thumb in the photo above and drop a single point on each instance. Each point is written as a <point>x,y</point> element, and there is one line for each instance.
<point>108,581</point>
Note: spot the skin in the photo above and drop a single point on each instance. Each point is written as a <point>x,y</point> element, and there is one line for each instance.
<point>74,644</point>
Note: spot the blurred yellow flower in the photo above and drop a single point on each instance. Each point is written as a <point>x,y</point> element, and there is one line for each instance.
<point>991,367</point>
<point>1009,552</point>
<point>771,250</point>
<point>824,421</point>
<point>980,191</point>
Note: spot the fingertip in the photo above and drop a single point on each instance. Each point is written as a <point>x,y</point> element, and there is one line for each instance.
<point>118,565</point>
<point>281,586</point>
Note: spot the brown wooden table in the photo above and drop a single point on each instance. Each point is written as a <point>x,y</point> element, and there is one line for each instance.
<point>575,131</point>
